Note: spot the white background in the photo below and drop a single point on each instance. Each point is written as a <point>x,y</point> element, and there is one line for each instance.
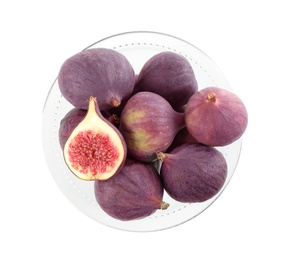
<point>246,39</point>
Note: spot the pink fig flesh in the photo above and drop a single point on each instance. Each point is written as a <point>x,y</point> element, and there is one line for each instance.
<point>95,149</point>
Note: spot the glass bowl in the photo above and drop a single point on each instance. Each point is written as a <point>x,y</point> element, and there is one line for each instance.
<point>138,47</point>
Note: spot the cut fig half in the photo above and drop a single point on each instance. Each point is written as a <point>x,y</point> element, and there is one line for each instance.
<point>95,150</point>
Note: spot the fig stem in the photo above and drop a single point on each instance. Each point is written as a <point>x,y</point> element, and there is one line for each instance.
<point>114,119</point>
<point>160,156</point>
<point>211,97</point>
<point>115,102</point>
<point>164,205</point>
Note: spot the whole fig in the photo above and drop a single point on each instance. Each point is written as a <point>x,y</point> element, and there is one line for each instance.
<point>193,172</point>
<point>149,124</point>
<point>135,192</point>
<point>169,75</point>
<point>215,116</point>
<point>98,72</point>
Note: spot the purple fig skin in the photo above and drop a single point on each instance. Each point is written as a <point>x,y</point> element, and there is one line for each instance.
<point>216,116</point>
<point>103,73</point>
<point>193,172</point>
<point>182,137</point>
<point>149,124</point>
<point>133,193</point>
<point>171,76</point>
<point>68,123</point>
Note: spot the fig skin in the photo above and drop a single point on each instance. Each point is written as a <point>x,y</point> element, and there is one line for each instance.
<point>134,193</point>
<point>68,123</point>
<point>99,72</point>
<point>95,149</point>
<point>215,116</point>
<point>182,137</point>
<point>171,76</point>
<point>193,172</point>
<point>149,124</point>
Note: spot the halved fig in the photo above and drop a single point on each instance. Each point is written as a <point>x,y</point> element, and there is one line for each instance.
<point>95,149</point>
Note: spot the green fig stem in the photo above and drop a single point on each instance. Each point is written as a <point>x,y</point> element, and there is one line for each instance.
<point>165,205</point>
<point>211,97</point>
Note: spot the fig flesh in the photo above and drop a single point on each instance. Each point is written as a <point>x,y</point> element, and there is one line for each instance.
<point>134,193</point>
<point>193,172</point>
<point>149,124</point>
<point>170,75</point>
<point>99,72</point>
<point>95,149</point>
<point>215,116</point>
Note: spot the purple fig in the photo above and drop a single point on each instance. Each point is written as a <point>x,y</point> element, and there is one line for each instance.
<point>149,124</point>
<point>215,116</point>
<point>102,73</point>
<point>134,193</point>
<point>171,76</point>
<point>68,123</point>
<point>193,172</point>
